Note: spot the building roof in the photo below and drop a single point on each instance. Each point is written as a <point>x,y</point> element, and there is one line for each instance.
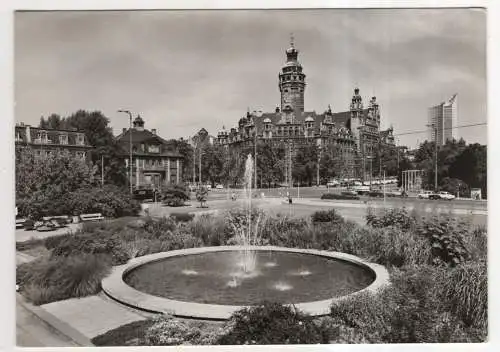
<point>140,136</point>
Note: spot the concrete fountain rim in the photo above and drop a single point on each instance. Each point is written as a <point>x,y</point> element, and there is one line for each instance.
<point>115,287</point>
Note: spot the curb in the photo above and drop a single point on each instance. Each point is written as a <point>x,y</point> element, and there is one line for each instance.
<point>58,325</point>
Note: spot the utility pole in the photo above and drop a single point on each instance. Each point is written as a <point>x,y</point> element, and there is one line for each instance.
<point>434,126</point>
<point>255,156</point>
<point>102,170</point>
<point>130,142</point>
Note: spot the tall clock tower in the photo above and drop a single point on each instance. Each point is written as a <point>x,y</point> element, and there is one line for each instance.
<point>292,82</point>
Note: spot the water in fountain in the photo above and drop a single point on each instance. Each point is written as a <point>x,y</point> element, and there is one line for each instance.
<point>248,260</point>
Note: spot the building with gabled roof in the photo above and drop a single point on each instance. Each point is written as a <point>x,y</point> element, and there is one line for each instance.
<point>44,141</point>
<point>356,133</point>
<point>155,162</point>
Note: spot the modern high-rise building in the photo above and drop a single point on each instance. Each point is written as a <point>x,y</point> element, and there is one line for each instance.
<point>443,121</point>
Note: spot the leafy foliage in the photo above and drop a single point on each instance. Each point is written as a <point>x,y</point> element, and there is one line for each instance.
<point>339,196</point>
<point>272,323</point>
<point>398,217</point>
<point>330,216</point>
<point>175,195</point>
<point>446,236</point>
<point>201,196</point>
<point>47,280</point>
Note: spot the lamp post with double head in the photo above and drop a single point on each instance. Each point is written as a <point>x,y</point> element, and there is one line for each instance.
<point>130,142</point>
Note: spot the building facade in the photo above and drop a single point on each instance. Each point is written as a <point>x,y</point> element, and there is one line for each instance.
<point>443,121</point>
<point>45,141</point>
<point>355,134</point>
<point>155,162</point>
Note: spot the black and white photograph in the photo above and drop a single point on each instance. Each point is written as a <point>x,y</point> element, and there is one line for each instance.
<point>250,176</point>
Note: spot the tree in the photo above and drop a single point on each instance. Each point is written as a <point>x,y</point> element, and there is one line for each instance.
<point>57,174</point>
<point>471,167</point>
<point>201,196</point>
<point>187,152</point>
<point>330,163</point>
<point>305,164</point>
<point>95,126</point>
<point>270,163</point>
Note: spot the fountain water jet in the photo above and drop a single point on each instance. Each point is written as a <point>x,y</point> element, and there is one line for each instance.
<point>249,235</point>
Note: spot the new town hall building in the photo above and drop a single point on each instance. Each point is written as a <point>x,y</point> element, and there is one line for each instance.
<point>355,133</point>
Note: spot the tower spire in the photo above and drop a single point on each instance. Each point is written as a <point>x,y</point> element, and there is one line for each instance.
<point>292,40</point>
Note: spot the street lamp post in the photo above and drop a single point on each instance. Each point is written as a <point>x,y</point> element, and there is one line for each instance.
<point>434,126</point>
<point>130,140</point>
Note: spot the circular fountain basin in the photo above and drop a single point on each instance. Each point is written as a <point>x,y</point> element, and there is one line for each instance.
<point>210,283</point>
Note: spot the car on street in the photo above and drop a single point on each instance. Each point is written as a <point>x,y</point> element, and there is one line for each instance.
<point>425,194</point>
<point>333,183</point>
<point>143,194</point>
<point>219,186</point>
<point>376,193</point>
<point>442,195</point>
<point>349,192</point>
<point>362,190</point>
<point>397,193</point>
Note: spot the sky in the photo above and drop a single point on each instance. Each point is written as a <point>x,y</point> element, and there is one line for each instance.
<point>184,70</point>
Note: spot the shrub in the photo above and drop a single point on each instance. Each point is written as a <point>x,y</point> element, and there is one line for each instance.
<point>466,290</point>
<point>446,236</point>
<point>182,217</point>
<point>330,216</point>
<point>108,200</point>
<point>175,195</point>
<point>201,196</point>
<point>272,323</point>
<point>212,231</point>
<point>168,331</point>
<point>410,311</point>
<point>47,280</point>
<point>344,196</point>
<point>391,217</point>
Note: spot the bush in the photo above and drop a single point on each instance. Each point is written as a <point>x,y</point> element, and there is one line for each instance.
<point>272,323</point>
<point>330,216</point>
<point>47,280</point>
<point>410,311</point>
<point>446,237</point>
<point>201,196</point>
<point>391,217</point>
<point>344,196</point>
<point>466,290</point>
<point>182,217</point>
<point>110,201</point>
<point>168,331</point>
<point>175,195</point>
<point>212,231</point>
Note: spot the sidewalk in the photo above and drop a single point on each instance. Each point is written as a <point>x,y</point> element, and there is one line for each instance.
<point>23,235</point>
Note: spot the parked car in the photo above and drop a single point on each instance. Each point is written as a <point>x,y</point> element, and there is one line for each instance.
<point>425,194</point>
<point>376,193</point>
<point>397,193</point>
<point>349,192</point>
<point>333,183</point>
<point>442,195</point>
<point>219,186</point>
<point>144,194</point>
<point>362,190</point>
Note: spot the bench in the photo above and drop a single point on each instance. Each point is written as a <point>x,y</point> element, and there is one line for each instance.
<point>20,223</point>
<point>62,219</point>
<point>91,217</point>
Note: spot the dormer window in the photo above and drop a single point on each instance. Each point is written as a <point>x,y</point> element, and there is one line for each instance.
<point>41,137</point>
<point>80,139</point>
<point>153,148</point>
<point>63,139</point>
